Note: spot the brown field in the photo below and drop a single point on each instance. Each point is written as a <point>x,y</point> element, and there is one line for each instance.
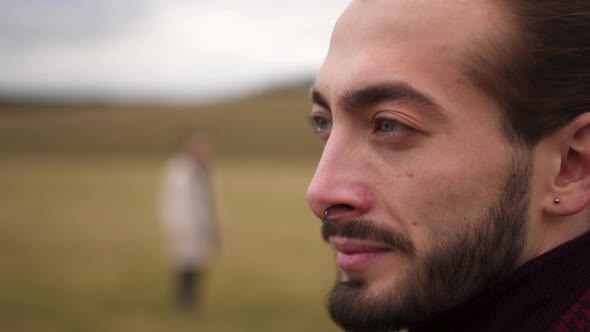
<point>81,248</point>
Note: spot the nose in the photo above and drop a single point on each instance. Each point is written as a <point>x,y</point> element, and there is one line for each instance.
<point>340,184</point>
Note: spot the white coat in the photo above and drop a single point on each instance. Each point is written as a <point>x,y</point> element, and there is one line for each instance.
<point>187,212</point>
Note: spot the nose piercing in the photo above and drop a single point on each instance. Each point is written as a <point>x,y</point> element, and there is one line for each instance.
<point>555,201</point>
<point>325,215</point>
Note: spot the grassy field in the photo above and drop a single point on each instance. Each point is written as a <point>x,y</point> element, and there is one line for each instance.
<point>81,249</point>
<point>272,124</point>
<point>80,243</point>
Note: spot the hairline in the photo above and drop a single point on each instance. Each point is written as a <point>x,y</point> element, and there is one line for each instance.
<point>488,61</point>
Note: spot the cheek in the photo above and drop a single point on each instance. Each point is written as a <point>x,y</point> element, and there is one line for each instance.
<point>445,197</point>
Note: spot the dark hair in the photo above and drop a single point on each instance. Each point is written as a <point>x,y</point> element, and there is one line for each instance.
<point>539,71</point>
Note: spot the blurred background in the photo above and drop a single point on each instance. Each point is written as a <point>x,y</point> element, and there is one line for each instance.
<point>95,97</point>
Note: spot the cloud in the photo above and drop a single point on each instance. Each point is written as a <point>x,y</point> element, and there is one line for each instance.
<point>174,48</point>
<point>36,23</point>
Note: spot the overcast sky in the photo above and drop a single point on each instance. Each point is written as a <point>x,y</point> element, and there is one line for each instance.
<point>160,48</point>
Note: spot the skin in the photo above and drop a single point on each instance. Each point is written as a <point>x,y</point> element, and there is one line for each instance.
<point>428,170</point>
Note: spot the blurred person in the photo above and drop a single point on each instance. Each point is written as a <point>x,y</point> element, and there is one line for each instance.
<point>454,184</point>
<point>189,218</point>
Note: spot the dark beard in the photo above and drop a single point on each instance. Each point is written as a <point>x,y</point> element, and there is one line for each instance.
<point>462,264</point>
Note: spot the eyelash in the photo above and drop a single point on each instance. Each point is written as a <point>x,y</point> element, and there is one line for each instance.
<point>320,124</point>
<point>398,127</point>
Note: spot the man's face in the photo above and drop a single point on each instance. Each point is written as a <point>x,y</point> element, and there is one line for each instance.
<point>426,199</point>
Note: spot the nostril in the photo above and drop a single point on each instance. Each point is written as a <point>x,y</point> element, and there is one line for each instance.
<point>334,211</point>
<point>341,207</point>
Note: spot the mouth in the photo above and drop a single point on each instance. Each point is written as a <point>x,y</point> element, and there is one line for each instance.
<point>356,255</point>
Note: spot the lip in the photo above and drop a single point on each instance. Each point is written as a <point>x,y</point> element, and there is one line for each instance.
<point>357,255</point>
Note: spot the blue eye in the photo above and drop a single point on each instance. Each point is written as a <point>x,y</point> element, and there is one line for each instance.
<point>389,126</point>
<point>320,124</point>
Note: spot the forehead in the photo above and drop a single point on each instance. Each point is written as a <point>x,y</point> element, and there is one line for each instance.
<point>396,19</point>
<point>408,40</point>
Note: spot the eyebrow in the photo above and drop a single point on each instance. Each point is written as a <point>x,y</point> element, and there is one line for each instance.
<point>376,93</point>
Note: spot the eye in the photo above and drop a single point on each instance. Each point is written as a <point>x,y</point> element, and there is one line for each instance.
<point>389,126</point>
<point>320,124</point>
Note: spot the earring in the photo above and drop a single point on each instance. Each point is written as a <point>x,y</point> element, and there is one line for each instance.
<point>556,201</point>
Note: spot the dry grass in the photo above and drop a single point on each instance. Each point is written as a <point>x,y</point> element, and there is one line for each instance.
<point>81,248</point>
<point>270,124</point>
<point>80,244</point>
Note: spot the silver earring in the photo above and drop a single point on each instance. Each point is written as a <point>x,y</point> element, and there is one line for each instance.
<point>556,201</point>
<point>325,215</point>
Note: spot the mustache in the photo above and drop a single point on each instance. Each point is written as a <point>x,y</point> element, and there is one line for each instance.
<point>370,231</point>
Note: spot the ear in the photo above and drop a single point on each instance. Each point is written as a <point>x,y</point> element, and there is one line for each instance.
<point>569,192</point>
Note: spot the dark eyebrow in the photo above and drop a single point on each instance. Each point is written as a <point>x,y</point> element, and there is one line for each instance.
<point>376,93</point>
<point>373,94</point>
<point>318,99</point>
